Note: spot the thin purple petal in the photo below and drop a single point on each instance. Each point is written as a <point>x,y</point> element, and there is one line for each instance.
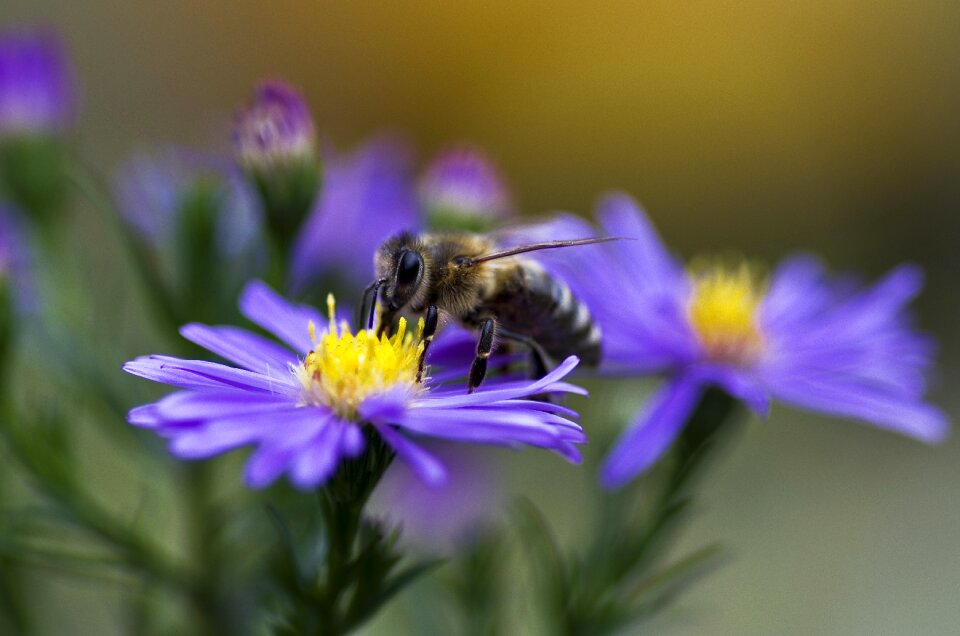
<point>317,460</point>
<point>241,347</point>
<point>216,436</point>
<point>202,405</point>
<point>271,311</point>
<point>652,433</point>
<point>200,374</point>
<point>505,391</point>
<point>366,196</point>
<point>488,426</point>
<point>423,463</point>
<point>908,417</point>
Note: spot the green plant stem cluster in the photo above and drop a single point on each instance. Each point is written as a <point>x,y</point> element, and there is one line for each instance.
<point>620,578</point>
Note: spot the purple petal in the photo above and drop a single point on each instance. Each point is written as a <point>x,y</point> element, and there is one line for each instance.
<point>504,391</point>
<point>569,452</point>
<point>562,226</point>
<point>280,427</point>
<point>287,438</point>
<point>649,259</point>
<point>652,433</point>
<point>204,405</point>
<point>388,407</point>
<point>200,374</point>
<point>909,417</point>
<point>796,292</point>
<point>271,311</point>
<point>367,196</point>
<point>316,461</point>
<point>423,463</point>
<point>488,426</point>
<point>548,407</point>
<point>145,416</point>
<point>241,347</point>
<point>266,465</point>
<point>353,442</point>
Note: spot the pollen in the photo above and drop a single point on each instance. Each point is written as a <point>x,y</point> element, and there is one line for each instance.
<point>345,368</point>
<point>723,312</point>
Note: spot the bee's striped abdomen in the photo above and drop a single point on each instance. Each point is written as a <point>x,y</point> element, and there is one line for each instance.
<point>533,303</point>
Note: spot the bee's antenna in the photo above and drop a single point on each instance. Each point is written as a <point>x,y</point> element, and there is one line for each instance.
<point>548,245</point>
<point>368,306</point>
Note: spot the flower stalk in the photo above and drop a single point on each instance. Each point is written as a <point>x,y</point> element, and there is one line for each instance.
<point>620,579</point>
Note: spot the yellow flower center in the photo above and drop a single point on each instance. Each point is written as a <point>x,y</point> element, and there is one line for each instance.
<point>345,368</point>
<point>723,312</point>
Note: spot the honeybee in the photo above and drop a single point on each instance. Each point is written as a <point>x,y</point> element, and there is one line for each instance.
<point>497,292</point>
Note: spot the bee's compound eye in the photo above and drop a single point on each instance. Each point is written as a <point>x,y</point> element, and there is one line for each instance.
<point>409,268</point>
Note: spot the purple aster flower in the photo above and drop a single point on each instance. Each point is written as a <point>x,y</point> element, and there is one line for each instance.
<point>797,336</point>
<point>462,185</point>
<point>305,407</point>
<point>37,92</point>
<point>367,196</point>
<point>275,128</point>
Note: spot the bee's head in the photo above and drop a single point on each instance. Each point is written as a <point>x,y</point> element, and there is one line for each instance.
<point>400,265</point>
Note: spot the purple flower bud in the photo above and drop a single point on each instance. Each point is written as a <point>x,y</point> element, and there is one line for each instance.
<point>275,142</point>
<point>275,128</point>
<point>462,184</point>
<point>37,90</point>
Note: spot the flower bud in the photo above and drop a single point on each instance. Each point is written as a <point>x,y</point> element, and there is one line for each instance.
<point>276,144</point>
<point>37,105</point>
<point>461,189</point>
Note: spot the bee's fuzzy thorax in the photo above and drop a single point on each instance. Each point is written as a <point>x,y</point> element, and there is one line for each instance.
<point>516,292</point>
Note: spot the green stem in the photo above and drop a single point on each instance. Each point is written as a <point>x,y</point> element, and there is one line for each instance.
<point>621,558</point>
<point>712,419</point>
<point>342,591</point>
<point>206,596</point>
<point>478,587</point>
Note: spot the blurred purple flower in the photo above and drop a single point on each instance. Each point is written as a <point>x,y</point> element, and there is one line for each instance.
<point>443,518</point>
<point>274,128</point>
<point>463,183</point>
<point>800,337</point>
<point>37,91</point>
<point>367,196</point>
<point>151,189</point>
<point>306,414</point>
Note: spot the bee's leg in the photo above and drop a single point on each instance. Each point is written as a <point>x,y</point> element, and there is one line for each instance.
<point>429,329</point>
<point>368,306</point>
<point>539,360</point>
<point>484,346</point>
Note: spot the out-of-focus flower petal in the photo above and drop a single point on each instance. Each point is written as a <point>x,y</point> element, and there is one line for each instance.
<point>652,432</point>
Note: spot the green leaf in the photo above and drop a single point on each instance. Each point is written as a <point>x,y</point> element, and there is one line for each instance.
<point>660,588</point>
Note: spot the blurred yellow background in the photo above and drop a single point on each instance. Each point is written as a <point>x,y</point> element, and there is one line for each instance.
<point>764,127</point>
